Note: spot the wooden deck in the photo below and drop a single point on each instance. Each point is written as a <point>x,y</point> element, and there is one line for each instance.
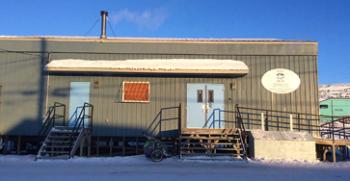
<point>330,142</point>
<point>324,146</point>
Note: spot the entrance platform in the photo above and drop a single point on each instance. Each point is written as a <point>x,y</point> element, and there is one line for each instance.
<point>326,146</point>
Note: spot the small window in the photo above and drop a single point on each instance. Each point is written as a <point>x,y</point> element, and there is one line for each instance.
<point>323,106</point>
<point>136,91</point>
<point>199,95</point>
<point>211,96</point>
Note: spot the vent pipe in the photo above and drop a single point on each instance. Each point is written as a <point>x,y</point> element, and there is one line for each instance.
<point>104,15</point>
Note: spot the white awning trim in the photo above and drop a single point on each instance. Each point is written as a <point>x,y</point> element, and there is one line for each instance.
<point>190,66</point>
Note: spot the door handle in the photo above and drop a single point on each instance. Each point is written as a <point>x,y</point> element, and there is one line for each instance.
<point>206,107</point>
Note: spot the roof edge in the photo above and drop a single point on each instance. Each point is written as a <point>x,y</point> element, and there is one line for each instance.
<point>157,40</point>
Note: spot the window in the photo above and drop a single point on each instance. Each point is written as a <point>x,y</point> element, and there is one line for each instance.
<point>136,91</point>
<point>199,95</point>
<point>211,96</point>
<point>323,106</point>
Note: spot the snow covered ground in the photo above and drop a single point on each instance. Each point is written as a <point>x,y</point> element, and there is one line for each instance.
<point>17,168</point>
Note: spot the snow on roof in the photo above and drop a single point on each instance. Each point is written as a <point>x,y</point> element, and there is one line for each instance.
<point>144,38</point>
<point>171,66</point>
<point>154,38</point>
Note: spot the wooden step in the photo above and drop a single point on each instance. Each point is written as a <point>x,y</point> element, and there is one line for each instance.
<point>63,131</point>
<point>55,152</point>
<point>207,131</point>
<point>213,144</point>
<point>61,137</point>
<point>57,146</point>
<point>54,157</point>
<point>58,141</point>
<point>208,138</point>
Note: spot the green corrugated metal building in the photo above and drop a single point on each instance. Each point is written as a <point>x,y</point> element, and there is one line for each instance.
<point>334,107</point>
<point>28,88</point>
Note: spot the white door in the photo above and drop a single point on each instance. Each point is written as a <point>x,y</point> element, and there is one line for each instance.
<point>202,99</point>
<point>79,94</point>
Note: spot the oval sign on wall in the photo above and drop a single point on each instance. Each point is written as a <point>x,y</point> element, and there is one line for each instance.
<point>280,81</point>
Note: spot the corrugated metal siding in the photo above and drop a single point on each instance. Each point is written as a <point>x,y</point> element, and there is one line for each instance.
<point>20,79</point>
<point>116,118</point>
<point>162,47</point>
<point>22,83</point>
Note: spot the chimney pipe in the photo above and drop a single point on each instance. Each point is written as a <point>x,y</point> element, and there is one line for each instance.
<point>104,15</point>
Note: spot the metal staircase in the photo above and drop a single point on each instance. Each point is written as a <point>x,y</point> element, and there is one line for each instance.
<point>62,141</point>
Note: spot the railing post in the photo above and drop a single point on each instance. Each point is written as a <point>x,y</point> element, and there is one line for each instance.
<point>91,118</point>
<point>329,132</point>
<point>343,128</point>
<point>278,123</point>
<point>332,128</point>
<point>179,131</point>
<point>262,121</point>
<point>266,121</point>
<point>160,121</point>
<point>248,121</point>
<point>236,116</point>
<point>309,124</point>
<point>54,116</point>
<point>291,122</point>
<point>64,115</point>
<point>236,119</point>
<point>298,117</point>
<point>213,122</point>
<point>179,119</point>
<point>219,118</point>
<point>84,116</point>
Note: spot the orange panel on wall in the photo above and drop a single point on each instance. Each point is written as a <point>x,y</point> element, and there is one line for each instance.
<point>136,91</point>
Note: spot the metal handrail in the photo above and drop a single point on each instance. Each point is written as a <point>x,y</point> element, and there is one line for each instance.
<point>80,121</point>
<point>159,119</point>
<point>211,116</point>
<point>341,119</point>
<point>331,130</point>
<point>242,132</point>
<point>239,125</point>
<point>277,111</point>
<point>50,118</point>
<point>279,120</point>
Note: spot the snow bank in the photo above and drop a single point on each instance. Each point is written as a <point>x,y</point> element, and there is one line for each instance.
<point>282,135</point>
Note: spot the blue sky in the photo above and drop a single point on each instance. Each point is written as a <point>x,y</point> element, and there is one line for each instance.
<point>325,21</point>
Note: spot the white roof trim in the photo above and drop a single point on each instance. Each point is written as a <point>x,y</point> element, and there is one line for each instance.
<point>163,66</point>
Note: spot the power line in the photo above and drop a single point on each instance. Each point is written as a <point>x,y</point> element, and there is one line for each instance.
<point>93,25</point>
<point>20,52</point>
<point>110,25</point>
